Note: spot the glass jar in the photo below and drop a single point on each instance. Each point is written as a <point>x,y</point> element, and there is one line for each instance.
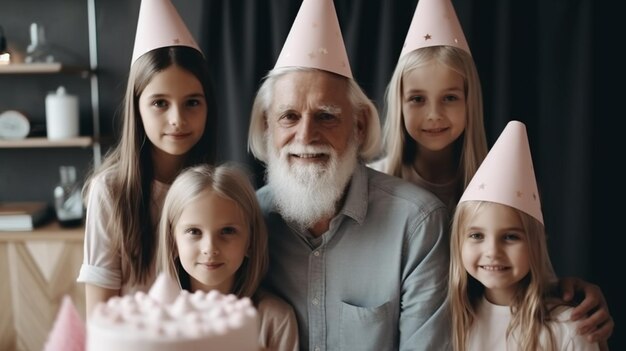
<point>68,202</point>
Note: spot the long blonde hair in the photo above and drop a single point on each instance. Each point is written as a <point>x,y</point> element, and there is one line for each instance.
<point>535,296</point>
<point>227,181</point>
<point>371,145</point>
<point>400,148</point>
<point>129,165</point>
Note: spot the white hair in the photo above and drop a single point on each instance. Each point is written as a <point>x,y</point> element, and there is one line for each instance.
<point>368,150</point>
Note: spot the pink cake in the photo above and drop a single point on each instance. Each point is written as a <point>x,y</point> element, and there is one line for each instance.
<point>170,319</point>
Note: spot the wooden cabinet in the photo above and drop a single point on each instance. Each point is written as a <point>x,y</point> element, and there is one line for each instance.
<point>37,268</point>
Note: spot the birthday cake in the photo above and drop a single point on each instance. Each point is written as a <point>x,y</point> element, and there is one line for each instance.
<point>170,319</point>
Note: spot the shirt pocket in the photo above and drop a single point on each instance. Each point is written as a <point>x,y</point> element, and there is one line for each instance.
<point>366,328</point>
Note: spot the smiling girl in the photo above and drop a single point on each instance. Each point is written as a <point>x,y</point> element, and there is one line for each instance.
<point>503,291</point>
<point>168,124</point>
<point>213,237</point>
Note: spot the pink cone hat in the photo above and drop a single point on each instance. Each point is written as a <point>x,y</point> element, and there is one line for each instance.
<point>68,332</point>
<point>315,40</point>
<point>506,176</point>
<point>434,23</point>
<point>159,25</point>
<point>164,289</point>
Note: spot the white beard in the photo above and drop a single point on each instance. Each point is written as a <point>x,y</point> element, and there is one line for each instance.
<point>308,193</point>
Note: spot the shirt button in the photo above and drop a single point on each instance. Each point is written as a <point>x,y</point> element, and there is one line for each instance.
<point>315,301</point>
<point>316,253</point>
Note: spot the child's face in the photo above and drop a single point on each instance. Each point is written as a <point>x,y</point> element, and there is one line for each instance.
<point>212,238</point>
<point>495,251</point>
<point>433,106</point>
<point>173,111</point>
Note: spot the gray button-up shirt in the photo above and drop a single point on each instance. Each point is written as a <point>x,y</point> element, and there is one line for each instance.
<point>376,280</point>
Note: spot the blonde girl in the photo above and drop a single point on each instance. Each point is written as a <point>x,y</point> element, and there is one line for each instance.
<point>213,237</point>
<point>434,132</point>
<point>503,290</point>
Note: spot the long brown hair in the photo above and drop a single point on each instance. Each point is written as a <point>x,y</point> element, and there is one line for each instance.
<point>129,165</point>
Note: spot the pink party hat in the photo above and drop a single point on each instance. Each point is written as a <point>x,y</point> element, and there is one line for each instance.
<point>506,176</point>
<point>165,289</point>
<point>68,331</point>
<point>160,25</point>
<point>315,40</point>
<point>434,23</point>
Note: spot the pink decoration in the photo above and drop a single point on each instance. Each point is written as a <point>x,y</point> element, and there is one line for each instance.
<point>164,289</point>
<point>506,176</point>
<point>315,40</point>
<point>159,25</point>
<point>68,332</point>
<point>434,23</point>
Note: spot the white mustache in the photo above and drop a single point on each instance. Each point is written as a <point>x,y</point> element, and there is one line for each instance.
<point>305,149</point>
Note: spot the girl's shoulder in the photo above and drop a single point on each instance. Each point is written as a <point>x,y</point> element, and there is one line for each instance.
<point>278,325</point>
<point>104,177</point>
<point>101,184</point>
<point>561,313</point>
<point>564,329</point>
<point>269,303</point>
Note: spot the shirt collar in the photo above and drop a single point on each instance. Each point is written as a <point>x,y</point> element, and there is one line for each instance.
<point>355,205</point>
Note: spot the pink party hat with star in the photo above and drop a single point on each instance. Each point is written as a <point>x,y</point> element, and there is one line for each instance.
<point>315,40</point>
<point>506,176</point>
<point>159,25</point>
<point>68,331</point>
<point>434,23</point>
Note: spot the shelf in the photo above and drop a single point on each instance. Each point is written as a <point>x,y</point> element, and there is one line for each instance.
<point>51,230</point>
<point>43,142</point>
<point>41,68</point>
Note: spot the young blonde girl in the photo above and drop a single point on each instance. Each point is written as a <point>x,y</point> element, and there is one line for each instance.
<point>212,236</point>
<point>502,290</point>
<point>532,316</point>
<point>168,124</point>
<point>434,134</point>
<point>445,168</point>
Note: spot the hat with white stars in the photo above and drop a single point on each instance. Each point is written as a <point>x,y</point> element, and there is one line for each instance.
<point>434,24</point>
<point>315,40</point>
<point>506,176</point>
<point>159,25</point>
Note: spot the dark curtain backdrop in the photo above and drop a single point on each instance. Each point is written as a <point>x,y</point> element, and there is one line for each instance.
<point>537,61</point>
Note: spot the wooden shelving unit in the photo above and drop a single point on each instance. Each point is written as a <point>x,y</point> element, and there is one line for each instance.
<point>39,267</point>
<point>93,140</point>
<point>41,68</point>
<point>43,142</point>
<point>50,231</point>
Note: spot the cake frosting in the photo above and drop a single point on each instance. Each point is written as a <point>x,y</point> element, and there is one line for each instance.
<point>168,318</point>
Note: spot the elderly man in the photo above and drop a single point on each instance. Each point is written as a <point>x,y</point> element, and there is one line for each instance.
<point>362,256</point>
